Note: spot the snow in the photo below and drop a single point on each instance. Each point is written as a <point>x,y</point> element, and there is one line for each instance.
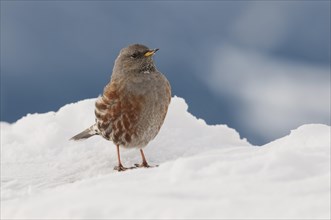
<point>206,171</point>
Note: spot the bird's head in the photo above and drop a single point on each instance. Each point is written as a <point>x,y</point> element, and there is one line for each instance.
<point>136,59</point>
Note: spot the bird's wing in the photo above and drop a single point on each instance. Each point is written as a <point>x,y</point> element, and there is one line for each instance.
<point>117,111</point>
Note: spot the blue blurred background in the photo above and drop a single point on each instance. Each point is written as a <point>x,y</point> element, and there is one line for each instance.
<point>261,67</point>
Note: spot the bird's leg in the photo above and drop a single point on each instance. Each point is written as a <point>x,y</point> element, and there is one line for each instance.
<point>144,163</point>
<point>120,167</point>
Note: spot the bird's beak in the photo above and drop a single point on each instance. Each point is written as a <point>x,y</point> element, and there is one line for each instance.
<point>151,52</point>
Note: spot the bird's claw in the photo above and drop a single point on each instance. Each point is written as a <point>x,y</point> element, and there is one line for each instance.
<point>145,165</point>
<point>121,168</point>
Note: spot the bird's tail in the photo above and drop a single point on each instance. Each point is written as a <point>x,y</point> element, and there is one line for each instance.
<point>93,130</point>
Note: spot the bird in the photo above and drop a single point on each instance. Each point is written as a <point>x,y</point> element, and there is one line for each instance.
<point>134,103</point>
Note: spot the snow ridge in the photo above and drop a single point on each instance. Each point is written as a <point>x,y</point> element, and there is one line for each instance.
<point>206,171</point>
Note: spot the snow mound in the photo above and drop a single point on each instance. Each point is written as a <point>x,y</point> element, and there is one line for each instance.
<point>206,171</point>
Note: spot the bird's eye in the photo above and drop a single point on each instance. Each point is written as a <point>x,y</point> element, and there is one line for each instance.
<point>135,55</point>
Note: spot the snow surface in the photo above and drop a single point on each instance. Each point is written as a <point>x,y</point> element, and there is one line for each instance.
<point>206,171</point>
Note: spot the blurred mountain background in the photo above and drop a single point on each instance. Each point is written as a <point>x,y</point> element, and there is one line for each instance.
<point>261,67</point>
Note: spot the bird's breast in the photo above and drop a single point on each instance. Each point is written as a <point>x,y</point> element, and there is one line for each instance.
<point>132,115</point>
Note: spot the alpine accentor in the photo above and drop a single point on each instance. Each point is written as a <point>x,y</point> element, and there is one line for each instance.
<point>134,103</point>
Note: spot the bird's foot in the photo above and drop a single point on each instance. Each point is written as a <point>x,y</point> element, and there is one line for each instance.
<point>145,165</point>
<point>121,168</point>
